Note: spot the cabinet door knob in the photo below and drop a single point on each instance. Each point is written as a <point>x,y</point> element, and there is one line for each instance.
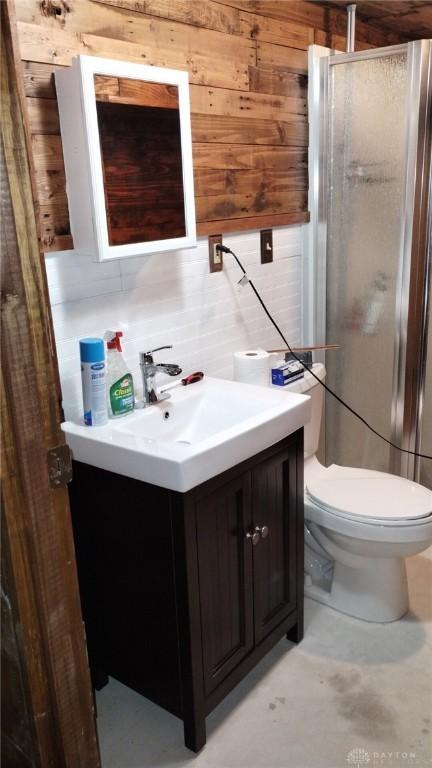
<point>253,536</point>
<point>262,531</point>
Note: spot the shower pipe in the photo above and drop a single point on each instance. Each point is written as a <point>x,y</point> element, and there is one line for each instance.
<point>351,20</point>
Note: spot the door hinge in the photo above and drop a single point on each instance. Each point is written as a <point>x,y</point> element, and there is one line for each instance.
<point>59,466</point>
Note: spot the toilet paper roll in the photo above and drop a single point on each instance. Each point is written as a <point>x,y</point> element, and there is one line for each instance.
<point>252,366</point>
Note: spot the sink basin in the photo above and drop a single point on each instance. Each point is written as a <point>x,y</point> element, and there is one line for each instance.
<point>193,415</point>
<point>202,430</point>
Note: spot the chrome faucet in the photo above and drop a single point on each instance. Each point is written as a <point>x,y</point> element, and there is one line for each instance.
<point>149,369</point>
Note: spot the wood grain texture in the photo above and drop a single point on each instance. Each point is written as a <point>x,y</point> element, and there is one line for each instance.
<point>123,90</point>
<point>377,35</point>
<point>311,14</point>
<point>51,185</point>
<point>412,18</point>
<point>256,203</point>
<point>247,65</point>
<point>365,33</point>
<point>331,16</point>
<point>206,13</point>
<point>218,182</point>
<point>245,130</point>
<point>144,201</point>
<point>252,222</point>
<point>221,101</point>
<point>43,116</point>
<point>56,242</point>
<point>37,518</point>
<point>338,42</point>
<point>47,152</point>
<point>239,156</point>
<point>269,30</point>
<point>39,79</point>
<point>194,48</point>
<point>18,737</point>
<point>54,218</point>
<point>290,59</point>
<point>204,67</point>
<point>205,129</point>
<point>278,82</point>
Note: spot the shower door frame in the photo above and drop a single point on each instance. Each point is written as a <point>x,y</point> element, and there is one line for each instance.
<point>412,291</point>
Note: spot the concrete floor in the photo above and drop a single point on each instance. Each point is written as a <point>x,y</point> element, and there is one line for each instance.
<point>348,686</point>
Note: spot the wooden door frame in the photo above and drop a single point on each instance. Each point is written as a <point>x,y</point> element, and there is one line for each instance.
<point>42,599</point>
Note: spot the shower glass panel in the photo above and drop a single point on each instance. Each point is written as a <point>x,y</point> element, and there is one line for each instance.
<point>366,168</point>
<point>426,433</point>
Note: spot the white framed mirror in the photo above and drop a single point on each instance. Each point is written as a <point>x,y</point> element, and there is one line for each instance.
<point>127,147</point>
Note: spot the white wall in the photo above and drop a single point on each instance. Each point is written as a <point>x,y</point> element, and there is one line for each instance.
<point>170,298</point>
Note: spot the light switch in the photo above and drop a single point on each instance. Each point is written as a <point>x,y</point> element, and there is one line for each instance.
<point>266,246</point>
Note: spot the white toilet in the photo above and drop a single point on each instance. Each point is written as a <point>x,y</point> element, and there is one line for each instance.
<point>359,527</point>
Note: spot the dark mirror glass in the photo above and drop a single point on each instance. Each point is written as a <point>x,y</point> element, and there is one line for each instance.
<point>139,131</point>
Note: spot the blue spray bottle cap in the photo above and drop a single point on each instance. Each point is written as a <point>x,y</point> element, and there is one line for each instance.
<point>92,350</point>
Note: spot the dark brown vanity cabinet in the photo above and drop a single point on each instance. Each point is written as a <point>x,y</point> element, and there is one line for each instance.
<point>183,593</point>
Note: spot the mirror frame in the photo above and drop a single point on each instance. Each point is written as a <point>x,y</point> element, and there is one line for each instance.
<point>88,67</point>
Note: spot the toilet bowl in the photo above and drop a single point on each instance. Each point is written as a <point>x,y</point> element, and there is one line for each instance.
<point>360,525</point>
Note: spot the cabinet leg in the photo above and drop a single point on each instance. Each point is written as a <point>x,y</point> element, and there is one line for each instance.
<point>195,733</point>
<point>295,634</point>
<point>99,678</point>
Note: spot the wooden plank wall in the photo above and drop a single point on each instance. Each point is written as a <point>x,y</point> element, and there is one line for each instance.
<point>247,63</point>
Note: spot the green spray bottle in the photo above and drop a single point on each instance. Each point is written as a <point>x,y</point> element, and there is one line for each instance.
<point>120,389</point>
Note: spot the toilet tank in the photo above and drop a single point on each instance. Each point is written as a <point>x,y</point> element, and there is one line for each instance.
<point>309,386</point>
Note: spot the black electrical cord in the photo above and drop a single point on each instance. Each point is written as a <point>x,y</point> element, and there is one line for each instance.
<point>225,249</point>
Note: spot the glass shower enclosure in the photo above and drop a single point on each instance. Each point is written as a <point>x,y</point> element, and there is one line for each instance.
<point>370,202</point>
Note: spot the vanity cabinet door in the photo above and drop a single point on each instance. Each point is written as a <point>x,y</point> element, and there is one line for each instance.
<point>225,578</point>
<point>274,504</point>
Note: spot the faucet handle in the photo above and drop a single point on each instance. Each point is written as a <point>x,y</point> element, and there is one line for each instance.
<point>147,357</point>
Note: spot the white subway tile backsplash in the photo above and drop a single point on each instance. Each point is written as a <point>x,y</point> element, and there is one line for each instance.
<point>70,267</point>
<point>172,298</point>
<point>65,292</point>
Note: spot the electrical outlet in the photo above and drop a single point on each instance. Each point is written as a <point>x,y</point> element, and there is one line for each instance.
<point>215,256</point>
<point>266,246</point>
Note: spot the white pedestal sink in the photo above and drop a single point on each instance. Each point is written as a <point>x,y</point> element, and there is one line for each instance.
<point>201,431</point>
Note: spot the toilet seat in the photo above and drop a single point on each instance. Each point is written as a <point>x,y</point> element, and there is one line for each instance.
<point>363,496</point>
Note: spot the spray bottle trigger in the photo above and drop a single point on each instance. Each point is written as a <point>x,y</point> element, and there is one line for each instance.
<point>114,341</point>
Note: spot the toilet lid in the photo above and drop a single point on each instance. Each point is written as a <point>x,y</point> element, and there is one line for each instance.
<point>370,495</point>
